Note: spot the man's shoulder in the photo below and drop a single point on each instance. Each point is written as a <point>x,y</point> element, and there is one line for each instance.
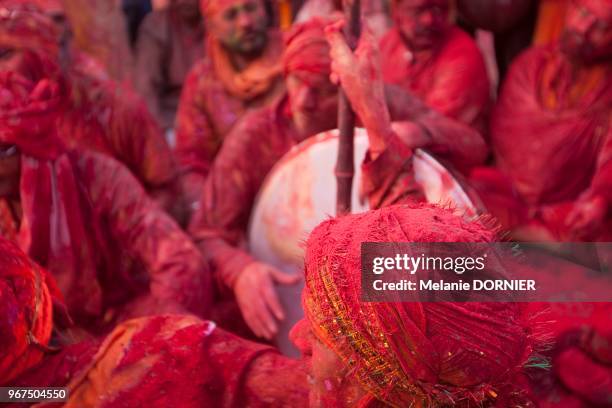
<point>257,128</point>
<point>259,120</point>
<point>460,45</point>
<point>530,61</point>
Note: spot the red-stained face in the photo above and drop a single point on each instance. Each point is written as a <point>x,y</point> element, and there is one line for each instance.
<point>314,102</point>
<point>587,35</point>
<point>421,22</point>
<point>240,25</point>
<point>331,383</point>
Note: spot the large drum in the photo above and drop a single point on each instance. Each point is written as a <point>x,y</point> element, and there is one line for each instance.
<point>300,192</point>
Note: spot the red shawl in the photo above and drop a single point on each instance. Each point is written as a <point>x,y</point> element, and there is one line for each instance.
<point>54,230</point>
<point>551,127</point>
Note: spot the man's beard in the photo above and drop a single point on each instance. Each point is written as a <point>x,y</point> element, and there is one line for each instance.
<point>250,49</point>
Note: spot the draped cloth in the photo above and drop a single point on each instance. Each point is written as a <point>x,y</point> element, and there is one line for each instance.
<point>103,115</point>
<point>54,214</point>
<point>214,97</point>
<point>88,221</point>
<point>171,360</point>
<point>552,137</point>
<point>450,78</point>
<point>255,79</point>
<point>412,354</point>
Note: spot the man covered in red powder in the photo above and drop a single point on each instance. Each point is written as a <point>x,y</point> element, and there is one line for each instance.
<point>264,136</point>
<point>552,135</point>
<point>102,116</point>
<point>113,252</point>
<point>169,43</point>
<point>436,62</point>
<point>242,70</point>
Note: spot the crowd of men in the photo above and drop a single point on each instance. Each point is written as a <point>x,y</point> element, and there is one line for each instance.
<point>125,203</point>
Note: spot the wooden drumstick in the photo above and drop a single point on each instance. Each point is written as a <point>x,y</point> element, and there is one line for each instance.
<point>346,118</point>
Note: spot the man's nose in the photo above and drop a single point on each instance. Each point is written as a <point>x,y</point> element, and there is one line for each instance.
<point>245,19</point>
<point>426,18</point>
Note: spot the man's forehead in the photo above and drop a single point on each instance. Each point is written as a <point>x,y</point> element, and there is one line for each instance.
<point>421,3</point>
<point>211,7</point>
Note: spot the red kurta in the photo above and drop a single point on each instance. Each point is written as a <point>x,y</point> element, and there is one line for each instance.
<point>208,108</point>
<point>84,217</point>
<point>219,226</point>
<point>552,137</point>
<point>451,78</point>
<point>135,260</point>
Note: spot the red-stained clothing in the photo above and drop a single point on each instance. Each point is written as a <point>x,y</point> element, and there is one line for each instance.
<point>100,115</point>
<point>110,118</point>
<point>173,360</point>
<point>249,152</point>
<point>552,137</point>
<point>86,219</point>
<point>131,258</point>
<point>451,78</point>
<point>208,109</point>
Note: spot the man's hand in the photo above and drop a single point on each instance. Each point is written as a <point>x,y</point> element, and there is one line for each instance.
<point>360,75</point>
<point>587,216</point>
<point>257,298</point>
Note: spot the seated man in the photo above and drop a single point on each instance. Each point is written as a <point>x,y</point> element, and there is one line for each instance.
<point>552,135</point>
<point>436,62</point>
<point>169,43</point>
<point>113,252</point>
<point>429,354</point>
<point>103,116</point>
<point>264,136</point>
<point>242,70</point>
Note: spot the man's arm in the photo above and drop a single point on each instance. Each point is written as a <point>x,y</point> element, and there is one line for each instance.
<point>220,223</point>
<point>390,151</point>
<point>178,273</point>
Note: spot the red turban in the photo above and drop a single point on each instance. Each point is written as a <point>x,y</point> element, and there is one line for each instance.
<point>26,310</point>
<point>411,354</point>
<point>307,49</point>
